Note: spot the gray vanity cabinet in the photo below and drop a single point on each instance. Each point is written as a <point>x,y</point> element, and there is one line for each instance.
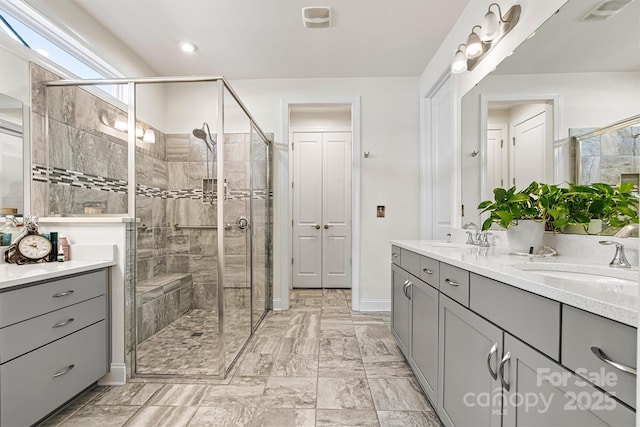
<point>540,392</point>
<point>54,343</point>
<point>400,304</point>
<point>469,352</point>
<point>423,347</point>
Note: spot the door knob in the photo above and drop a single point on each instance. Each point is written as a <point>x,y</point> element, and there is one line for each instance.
<point>326,226</point>
<point>317,226</point>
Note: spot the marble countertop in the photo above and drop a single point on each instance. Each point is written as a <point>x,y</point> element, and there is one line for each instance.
<point>616,302</point>
<point>15,275</point>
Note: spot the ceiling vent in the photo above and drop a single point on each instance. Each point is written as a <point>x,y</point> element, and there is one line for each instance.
<point>605,10</point>
<point>316,17</point>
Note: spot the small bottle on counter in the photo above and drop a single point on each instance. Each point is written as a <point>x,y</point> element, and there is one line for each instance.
<point>60,254</point>
<point>63,243</point>
<point>9,230</point>
<point>53,236</point>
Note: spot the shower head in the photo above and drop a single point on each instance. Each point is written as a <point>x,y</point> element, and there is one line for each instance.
<point>200,133</point>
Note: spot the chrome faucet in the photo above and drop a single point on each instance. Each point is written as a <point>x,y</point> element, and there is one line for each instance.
<point>619,259</point>
<point>626,230</point>
<point>470,238</point>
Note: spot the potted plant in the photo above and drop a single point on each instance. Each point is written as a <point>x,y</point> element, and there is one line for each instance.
<point>592,207</point>
<point>528,209</point>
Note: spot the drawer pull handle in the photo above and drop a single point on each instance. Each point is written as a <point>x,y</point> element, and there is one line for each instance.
<point>451,282</point>
<point>64,371</point>
<point>600,355</point>
<point>427,271</point>
<point>492,352</point>
<point>396,255</point>
<point>63,294</point>
<point>506,358</point>
<point>66,322</point>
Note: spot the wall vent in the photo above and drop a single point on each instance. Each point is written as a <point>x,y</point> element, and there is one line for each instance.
<point>316,17</point>
<point>605,10</point>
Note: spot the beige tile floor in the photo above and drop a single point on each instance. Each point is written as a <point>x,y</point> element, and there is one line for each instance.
<point>318,364</point>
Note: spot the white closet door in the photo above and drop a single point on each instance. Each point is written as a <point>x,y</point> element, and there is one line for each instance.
<point>528,151</point>
<point>496,160</point>
<point>336,210</point>
<point>307,210</point>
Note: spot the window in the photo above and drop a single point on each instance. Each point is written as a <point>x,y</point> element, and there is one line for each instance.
<point>27,27</point>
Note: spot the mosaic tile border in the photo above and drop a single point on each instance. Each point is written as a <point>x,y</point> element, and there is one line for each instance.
<point>60,176</point>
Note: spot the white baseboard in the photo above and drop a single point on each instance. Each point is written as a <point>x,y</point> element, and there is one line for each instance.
<point>116,376</point>
<point>277,304</point>
<point>375,305</point>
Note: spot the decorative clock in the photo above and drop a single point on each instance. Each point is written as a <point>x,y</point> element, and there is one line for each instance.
<point>29,246</point>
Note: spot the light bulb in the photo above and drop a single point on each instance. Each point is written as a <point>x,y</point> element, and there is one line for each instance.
<point>149,136</point>
<point>139,131</point>
<point>459,64</point>
<point>490,27</point>
<point>474,46</point>
<point>120,122</point>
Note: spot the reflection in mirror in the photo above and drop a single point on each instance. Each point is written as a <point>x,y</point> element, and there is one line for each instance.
<point>572,74</point>
<point>608,154</point>
<point>11,147</point>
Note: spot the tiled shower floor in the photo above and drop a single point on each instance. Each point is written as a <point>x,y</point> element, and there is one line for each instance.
<point>318,364</point>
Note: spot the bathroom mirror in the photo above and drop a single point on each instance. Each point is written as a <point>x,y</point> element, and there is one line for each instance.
<point>11,154</point>
<point>577,71</point>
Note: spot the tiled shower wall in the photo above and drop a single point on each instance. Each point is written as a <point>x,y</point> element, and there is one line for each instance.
<point>605,157</point>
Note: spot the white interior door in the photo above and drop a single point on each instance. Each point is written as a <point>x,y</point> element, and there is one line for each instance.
<point>528,148</point>
<point>307,210</point>
<point>496,159</point>
<point>322,210</point>
<point>442,160</point>
<point>336,210</point>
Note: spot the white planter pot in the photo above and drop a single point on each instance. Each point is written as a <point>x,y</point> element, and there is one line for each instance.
<point>526,237</point>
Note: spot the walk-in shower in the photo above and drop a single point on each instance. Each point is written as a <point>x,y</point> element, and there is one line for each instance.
<point>199,271</point>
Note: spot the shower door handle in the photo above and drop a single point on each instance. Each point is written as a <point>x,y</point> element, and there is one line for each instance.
<point>242,222</point>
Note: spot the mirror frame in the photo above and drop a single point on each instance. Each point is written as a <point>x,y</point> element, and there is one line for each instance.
<point>24,133</point>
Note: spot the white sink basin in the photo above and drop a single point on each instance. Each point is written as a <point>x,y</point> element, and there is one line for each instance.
<point>583,273</point>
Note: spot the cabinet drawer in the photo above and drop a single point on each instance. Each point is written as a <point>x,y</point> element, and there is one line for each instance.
<point>35,384</point>
<point>581,331</point>
<point>430,271</point>
<point>25,303</point>
<point>25,336</point>
<point>395,254</point>
<point>410,261</point>
<point>532,318</point>
<point>454,282</point>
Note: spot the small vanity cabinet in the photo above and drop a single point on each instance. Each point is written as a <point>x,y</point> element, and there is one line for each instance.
<point>53,344</point>
<point>492,354</point>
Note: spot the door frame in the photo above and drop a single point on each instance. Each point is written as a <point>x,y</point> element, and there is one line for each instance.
<point>285,269</point>
<point>551,99</point>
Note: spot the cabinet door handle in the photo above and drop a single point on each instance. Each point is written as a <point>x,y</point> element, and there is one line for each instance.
<point>492,352</point>
<point>63,371</point>
<point>66,322</point>
<point>404,288</point>
<point>63,294</point>
<point>427,271</point>
<point>451,282</point>
<point>600,355</point>
<point>506,358</point>
<point>407,291</point>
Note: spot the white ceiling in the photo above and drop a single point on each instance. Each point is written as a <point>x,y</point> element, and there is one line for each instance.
<point>563,44</point>
<point>243,39</point>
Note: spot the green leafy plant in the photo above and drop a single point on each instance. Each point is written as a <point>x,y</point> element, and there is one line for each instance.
<point>616,206</point>
<point>510,205</point>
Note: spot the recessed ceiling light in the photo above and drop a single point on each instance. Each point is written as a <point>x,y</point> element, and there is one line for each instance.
<point>188,47</point>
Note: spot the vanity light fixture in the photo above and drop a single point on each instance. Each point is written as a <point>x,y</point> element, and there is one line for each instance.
<point>459,64</point>
<point>493,29</point>
<point>474,44</point>
<point>120,124</point>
